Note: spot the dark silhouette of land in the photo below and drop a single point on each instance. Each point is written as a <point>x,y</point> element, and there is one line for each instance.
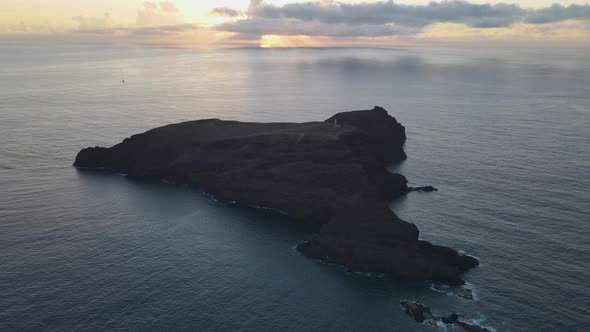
<point>330,173</point>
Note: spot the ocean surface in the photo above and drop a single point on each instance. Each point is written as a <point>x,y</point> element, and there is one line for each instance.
<point>503,133</point>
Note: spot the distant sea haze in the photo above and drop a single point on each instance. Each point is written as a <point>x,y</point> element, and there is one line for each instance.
<point>503,133</point>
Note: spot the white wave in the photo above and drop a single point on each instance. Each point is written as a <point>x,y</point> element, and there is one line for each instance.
<point>480,322</point>
<point>474,292</point>
<point>455,290</point>
<point>461,252</point>
<point>370,274</point>
<point>442,326</point>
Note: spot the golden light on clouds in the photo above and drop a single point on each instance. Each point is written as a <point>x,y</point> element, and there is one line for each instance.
<point>313,24</point>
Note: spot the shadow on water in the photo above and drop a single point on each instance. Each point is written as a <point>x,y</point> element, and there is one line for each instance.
<point>265,218</point>
<point>255,247</point>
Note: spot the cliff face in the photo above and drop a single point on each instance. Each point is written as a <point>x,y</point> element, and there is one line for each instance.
<point>330,173</point>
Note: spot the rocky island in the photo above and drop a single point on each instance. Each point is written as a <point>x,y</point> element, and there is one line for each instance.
<point>330,173</point>
<point>421,314</point>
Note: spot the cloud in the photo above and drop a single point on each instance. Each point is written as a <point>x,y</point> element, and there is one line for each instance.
<point>152,19</point>
<point>168,7</point>
<point>291,27</point>
<point>91,23</point>
<point>333,21</point>
<point>389,12</point>
<point>145,31</point>
<point>386,18</point>
<point>255,3</point>
<point>154,14</point>
<point>156,23</point>
<point>558,13</point>
<point>223,11</point>
<point>22,27</point>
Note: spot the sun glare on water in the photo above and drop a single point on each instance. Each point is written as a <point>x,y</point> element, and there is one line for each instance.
<point>269,41</point>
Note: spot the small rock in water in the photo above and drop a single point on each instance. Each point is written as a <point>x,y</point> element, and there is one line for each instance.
<point>465,293</point>
<point>422,313</point>
<point>416,310</point>
<point>425,189</point>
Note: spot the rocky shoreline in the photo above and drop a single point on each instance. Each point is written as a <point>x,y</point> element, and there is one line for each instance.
<point>331,173</point>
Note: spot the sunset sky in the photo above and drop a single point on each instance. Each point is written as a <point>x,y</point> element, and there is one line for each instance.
<point>273,23</point>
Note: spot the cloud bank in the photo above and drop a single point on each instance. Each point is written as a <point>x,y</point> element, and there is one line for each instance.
<point>329,22</point>
<point>156,14</point>
<point>158,23</point>
<point>386,18</point>
<point>153,19</point>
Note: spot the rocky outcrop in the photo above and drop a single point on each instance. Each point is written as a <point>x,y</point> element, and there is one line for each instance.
<point>417,311</point>
<point>329,173</point>
<point>422,313</point>
<point>425,189</point>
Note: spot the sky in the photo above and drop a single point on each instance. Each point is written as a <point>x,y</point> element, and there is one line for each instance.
<point>283,23</point>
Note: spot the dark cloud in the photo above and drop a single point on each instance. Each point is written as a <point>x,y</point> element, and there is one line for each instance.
<point>291,27</point>
<point>389,12</point>
<point>229,12</point>
<point>330,18</point>
<point>557,13</point>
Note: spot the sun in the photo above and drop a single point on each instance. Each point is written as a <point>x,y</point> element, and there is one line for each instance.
<point>268,41</point>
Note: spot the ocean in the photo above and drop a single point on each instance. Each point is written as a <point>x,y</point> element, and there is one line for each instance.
<point>504,133</point>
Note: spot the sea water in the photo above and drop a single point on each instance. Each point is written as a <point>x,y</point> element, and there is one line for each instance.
<point>503,133</point>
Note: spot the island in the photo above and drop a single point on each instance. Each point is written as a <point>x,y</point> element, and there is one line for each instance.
<point>330,173</point>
